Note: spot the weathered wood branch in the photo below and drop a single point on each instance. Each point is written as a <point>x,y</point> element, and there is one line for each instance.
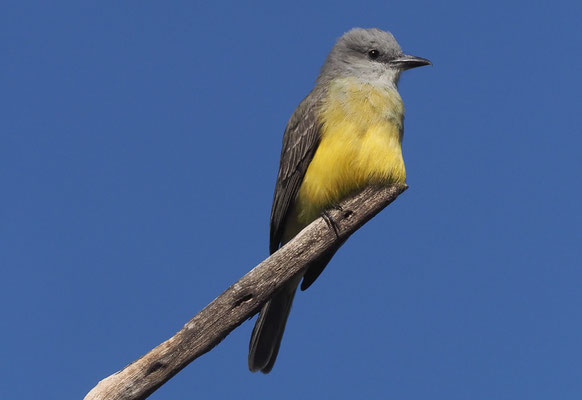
<point>242,300</point>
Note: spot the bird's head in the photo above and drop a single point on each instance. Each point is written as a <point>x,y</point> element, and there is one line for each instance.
<point>370,55</point>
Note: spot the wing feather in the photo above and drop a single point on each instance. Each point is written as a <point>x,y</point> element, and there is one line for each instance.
<point>300,140</point>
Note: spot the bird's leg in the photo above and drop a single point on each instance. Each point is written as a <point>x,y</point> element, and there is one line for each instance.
<point>330,222</point>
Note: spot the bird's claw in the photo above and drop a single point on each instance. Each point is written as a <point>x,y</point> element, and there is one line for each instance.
<point>330,222</point>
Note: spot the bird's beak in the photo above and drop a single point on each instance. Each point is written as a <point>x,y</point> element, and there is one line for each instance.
<point>407,62</point>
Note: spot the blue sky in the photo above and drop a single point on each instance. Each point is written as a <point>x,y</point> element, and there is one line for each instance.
<point>139,145</point>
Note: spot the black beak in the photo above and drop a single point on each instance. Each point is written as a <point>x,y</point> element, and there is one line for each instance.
<point>407,62</point>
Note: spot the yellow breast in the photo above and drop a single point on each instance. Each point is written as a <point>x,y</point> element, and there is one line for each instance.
<point>360,144</point>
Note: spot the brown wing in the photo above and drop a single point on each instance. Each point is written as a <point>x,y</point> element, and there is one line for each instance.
<point>300,141</point>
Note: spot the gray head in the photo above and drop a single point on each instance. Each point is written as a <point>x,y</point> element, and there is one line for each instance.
<point>368,54</point>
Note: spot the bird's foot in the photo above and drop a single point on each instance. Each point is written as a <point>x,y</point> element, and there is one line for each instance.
<point>330,222</point>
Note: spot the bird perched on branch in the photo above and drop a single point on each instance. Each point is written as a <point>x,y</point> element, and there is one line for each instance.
<point>346,134</point>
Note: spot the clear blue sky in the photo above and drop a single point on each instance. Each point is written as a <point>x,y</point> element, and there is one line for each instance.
<point>139,145</point>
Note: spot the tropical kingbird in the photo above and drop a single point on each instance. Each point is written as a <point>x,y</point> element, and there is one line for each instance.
<point>346,134</point>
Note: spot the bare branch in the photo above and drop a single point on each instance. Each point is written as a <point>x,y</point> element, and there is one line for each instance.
<point>242,300</point>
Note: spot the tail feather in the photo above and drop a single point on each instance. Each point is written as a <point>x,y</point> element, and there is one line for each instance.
<point>317,268</point>
<point>269,328</point>
<point>270,325</point>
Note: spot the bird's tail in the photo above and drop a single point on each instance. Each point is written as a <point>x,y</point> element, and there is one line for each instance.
<point>269,328</point>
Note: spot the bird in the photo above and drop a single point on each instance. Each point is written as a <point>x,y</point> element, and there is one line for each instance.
<point>344,135</point>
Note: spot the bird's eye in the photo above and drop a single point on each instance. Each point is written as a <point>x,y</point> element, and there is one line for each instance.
<point>373,54</point>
